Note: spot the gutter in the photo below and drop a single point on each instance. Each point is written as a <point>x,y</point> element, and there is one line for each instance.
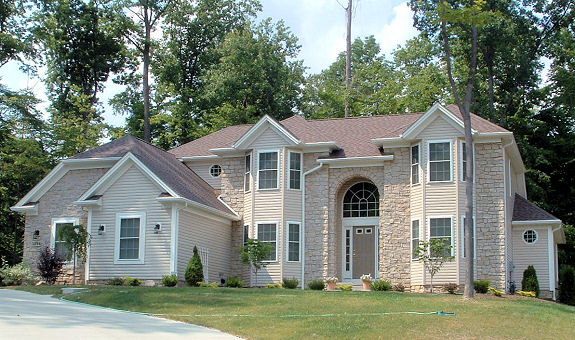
<point>303,222</point>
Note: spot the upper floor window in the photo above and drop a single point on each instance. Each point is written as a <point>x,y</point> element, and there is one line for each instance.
<point>440,228</point>
<point>268,170</point>
<point>361,200</point>
<point>215,170</point>
<point>415,164</point>
<point>295,170</point>
<point>530,236</point>
<point>247,172</point>
<point>440,161</point>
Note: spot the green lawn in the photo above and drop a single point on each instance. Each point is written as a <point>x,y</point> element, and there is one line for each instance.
<point>289,314</point>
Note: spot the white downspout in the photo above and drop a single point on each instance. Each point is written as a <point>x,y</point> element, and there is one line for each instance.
<point>303,223</point>
<point>552,258</point>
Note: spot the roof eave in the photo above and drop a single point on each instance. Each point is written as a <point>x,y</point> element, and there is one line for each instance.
<point>369,161</point>
<point>229,216</point>
<point>537,222</point>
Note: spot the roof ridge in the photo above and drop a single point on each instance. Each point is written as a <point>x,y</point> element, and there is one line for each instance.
<point>359,117</point>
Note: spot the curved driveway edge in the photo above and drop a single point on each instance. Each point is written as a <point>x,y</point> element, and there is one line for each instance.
<point>26,315</point>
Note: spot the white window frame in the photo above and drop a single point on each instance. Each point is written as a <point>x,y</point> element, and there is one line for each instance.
<point>58,220</point>
<point>418,145</point>
<point>278,167</point>
<point>536,236</point>
<point>438,141</point>
<point>277,238</point>
<point>244,239</point>
<point>428,236</point>
<point>248,174</point>
<point>419,238</point>
<point>288,225</point>
<point>461,174</point>
<point>462,230</point>
<point>290,170</point>
<point>142,245</point>
<point>210,170</point>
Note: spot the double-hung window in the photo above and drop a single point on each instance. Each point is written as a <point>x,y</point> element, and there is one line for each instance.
<point>59,245</point>
<point>440,161</point>
<point>295,170</point>
<point>130,236</point>
<point>415,164</point>
<point>267,233</point>
<point>463,250</point>
<point>415,237</point>
<point>247,172</point>
<point>268,170</point>
<point>293,248</point>
<point>246,233</point>
<point>441,228</point>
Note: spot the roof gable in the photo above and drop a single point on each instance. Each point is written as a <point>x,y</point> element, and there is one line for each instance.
<point>429,117</point>
<point>259,128</point>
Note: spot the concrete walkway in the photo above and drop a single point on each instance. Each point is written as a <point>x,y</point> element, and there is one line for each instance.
<point>25,315</point>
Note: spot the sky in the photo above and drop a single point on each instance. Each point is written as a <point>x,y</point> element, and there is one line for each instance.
<point>320,26</point>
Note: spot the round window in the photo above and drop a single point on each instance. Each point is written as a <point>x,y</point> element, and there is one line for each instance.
<point>530,236</point>
<point>215,170</point>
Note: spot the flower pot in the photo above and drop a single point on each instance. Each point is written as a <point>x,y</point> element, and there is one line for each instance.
<point>366,285</point>
<point>331,285</point>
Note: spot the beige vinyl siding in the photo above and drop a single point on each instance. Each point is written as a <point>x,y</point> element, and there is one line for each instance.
<point>292,269</point>
<point>447,274</point>
<point>535,254</point>
<point>134,192</point>
<point>416,273</point>
<point>292,197</point>
<point>202,168</point>
<point>439,129</point>
<point>269,274</point>
<point>200,231</point>
<point>247,207</point>
<point>269,139</point>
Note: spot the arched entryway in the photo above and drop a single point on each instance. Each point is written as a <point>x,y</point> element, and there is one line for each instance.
<point>360,229</point>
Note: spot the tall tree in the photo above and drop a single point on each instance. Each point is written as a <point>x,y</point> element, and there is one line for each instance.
<point>348,12</point>
<point>15,37</point>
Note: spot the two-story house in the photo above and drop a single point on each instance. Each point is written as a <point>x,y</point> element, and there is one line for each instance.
<point>337,197</point>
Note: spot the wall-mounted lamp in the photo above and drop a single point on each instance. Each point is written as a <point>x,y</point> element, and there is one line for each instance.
<point>101,229</point>
<point>157,228</point>
<point>36,234</point>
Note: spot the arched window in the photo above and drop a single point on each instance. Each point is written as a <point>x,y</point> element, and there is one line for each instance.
<point>361,200</point>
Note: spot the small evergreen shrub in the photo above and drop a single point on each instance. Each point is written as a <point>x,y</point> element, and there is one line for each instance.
<point>451,288</point>
<point>274,285</point>
<point>316,285</point>
<point>290,283</point>
<point>117,281</point>
<point>381,285</point>
<point>50,265</point>
<point>345,287</point>
<point>235,282</point>
<point>16,275</point>
<point>170,280</point>
<point>208,285</point>
<point>567,285</point>
<point>399,287</point>
<point>528,294</point>
<point>496,292</point>
<point>530,282</point>
<point>132,281</point>
<point>481,286</point>
<point>195,270</point>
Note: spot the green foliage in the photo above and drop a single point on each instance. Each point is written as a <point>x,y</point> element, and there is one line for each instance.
<point>76,239</point>
<point>381,285</point>
<point>316,285</point>
<point>255,253</point>
<point>451,288</point>
<point>116,281</point>
<point>235,282</point>
<point>132,281</point>
<point>274,285</point>
<point>195,270</point>
<point>496,292</point>
<point>345,287</point>
<point>50,265</point>
<point>529,283</point>
<point>170,280</point>
<point>567,285</point>
<point>16,275</point>
<point>208,285</point>
<point>434,253</point>
<point>290,283</point>
<point>481,286</point>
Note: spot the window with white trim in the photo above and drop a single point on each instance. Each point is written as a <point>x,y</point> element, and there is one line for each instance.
<point>130,236</point>
<point>463,250</point>
<point>294,170</point>
<point>463,162</point>
<point>415,164</point>
<point>247,172</point>
<point>361,200</point>
<point>440,161</point>
<point>58,244</point>
<point>268,170</point>
<point>293,241</point>
<point>414,238</point>
<point>530,236</point>
<point>267,233</point>
<point>246,233</point>
<point>441,228</point>
<point>215,170</point>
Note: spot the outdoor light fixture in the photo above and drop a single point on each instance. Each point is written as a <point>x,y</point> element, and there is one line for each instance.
<point>101,229</point>
<point>36,234</point>
<point>157,228</point>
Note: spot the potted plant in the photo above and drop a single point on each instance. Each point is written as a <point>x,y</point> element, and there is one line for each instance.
<point>366,279</point>
<point>331,282</point>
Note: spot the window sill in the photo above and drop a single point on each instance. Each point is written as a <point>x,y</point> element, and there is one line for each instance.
<point>118,261</point>
<point>270,189</point>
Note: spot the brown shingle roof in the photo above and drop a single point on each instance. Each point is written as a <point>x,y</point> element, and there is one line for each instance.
<point>165,165</point>
<point>223,138</point>
<point>478,123</point>
<point>523,210</point>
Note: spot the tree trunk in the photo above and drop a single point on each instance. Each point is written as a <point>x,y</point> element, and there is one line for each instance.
<point>74,270</point>
<point>348,59</point>
<point>431,283</point>
<point>145,76</point>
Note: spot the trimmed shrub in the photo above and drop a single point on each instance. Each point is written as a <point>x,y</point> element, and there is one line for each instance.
<point>451,288</point>
<point>195,270</point>
<point>316,285</point>
<point>399,287</point>
<point>132,281</point>
<point>235,282</point>
<point>528,294</point>
<point>170,280</point>
<point>567,285</point>
<point>496,292</point>
<point>290,283</point>
<point>345,287</point>
<point>481,286</point>
<point>274,285</point>
<point>381,285</point>
<point>16,275</point>
<point>530,282</point>
<point>50,265</point>
<point>208,285</point>
<point>117,281</point>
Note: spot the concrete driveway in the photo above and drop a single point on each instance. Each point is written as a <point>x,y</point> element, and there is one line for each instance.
<point>30,316</point>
